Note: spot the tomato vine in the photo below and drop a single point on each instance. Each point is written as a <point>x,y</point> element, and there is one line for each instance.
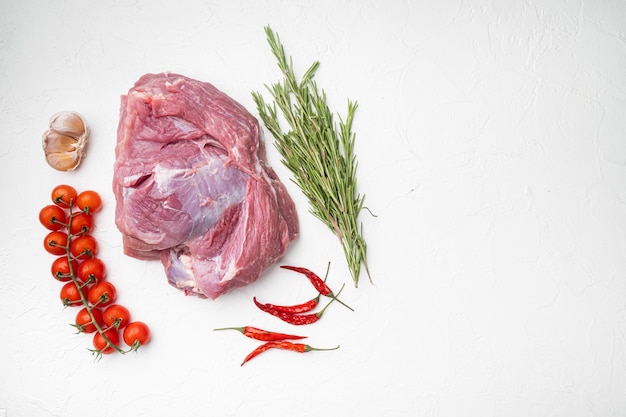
<point>70,223</point>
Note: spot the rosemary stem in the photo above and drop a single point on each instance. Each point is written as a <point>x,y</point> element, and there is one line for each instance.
<point>319,153</point>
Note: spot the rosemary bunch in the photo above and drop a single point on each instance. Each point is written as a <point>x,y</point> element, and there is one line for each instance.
<point>319,153</point>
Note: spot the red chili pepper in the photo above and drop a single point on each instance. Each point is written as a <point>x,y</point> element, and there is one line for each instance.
<point>317,282</point>
<point>260,334</point>
<point>296,319</point>
<point>294,347</point>
<point>296,309</point>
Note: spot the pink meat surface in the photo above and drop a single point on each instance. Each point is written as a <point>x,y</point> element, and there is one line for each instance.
<point>193,188</point>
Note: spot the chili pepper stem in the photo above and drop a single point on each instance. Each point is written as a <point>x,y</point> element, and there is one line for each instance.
<point>327,271</point>
<point>308,348</point>
<point>334,297</point>
<point>331,293</point>
<point>340,302</point>
<point>239,329</point>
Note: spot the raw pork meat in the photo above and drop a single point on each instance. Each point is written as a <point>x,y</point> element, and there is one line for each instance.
<point>193,188</point>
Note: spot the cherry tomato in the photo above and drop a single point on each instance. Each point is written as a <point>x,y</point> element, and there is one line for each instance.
<point>81,223</point>
<point>116,315</point>
<point>89,201</point>
<point>64,195</point>
<point>136,334</point>
<point>84,322</point>
<point>102,294</point>
<point>52,217</point>
<point>101,344</point>
<point>55,243</point>
<point>61,268</point>
<point>84,247</point>
<point>70,295</point>
<point>91,270</point>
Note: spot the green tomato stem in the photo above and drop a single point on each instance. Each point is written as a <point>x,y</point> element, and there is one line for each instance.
<point>83,299</point>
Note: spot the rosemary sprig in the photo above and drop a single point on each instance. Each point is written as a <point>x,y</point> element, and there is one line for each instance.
<point>320,156</point>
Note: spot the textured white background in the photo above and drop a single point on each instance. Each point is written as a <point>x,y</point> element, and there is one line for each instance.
<point>491,146</point>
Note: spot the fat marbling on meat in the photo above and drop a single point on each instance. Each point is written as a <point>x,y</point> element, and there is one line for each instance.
<point>193,187</point>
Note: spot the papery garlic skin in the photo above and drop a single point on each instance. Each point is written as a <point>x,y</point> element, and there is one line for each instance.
<point>65,140</point>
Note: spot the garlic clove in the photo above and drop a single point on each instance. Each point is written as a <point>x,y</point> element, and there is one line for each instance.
<point>68,123</point>
<point>65,140</point>
<point>58,142</point>
<point>63,161</point>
